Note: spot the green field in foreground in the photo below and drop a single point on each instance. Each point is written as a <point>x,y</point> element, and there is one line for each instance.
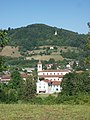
<point>44,112</point>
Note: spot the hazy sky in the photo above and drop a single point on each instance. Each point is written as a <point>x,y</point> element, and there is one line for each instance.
<point>67,14</point>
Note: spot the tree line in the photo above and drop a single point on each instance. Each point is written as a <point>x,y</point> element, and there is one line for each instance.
<point>75,90</point>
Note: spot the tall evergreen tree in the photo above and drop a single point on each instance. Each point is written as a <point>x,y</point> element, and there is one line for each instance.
<point>29,89</point>
<point>17,83</point>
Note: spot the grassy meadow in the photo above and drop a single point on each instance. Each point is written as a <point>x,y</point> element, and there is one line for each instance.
<point>44,112</point>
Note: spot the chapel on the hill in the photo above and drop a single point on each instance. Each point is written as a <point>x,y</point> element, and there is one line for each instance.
<point>49,80</point>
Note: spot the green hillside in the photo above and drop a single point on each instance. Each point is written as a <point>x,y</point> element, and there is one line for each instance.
<point>36,35</point>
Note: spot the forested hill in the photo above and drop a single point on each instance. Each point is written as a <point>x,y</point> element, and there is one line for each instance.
<point>40,34</point>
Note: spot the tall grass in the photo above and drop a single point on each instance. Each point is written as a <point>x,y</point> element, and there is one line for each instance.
<point>44,112</point>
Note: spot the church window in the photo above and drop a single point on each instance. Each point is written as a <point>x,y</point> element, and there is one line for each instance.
<point>56,89</point>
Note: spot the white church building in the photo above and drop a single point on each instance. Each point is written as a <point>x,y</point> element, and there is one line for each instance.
<point>49,80</point>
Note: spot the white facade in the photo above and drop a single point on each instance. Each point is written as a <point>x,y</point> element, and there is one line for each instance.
<point>56,88</point>
<point>45,87</point>
<point>68,66</point>
<point>42,87</point>
<point>51,48</point>
<point>49,80</point>
<point>29,70</point>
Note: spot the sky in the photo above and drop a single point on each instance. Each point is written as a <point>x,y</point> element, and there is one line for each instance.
<point>71,15</point>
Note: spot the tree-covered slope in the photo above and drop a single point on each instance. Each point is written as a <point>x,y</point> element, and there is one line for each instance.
<point>41,34</point>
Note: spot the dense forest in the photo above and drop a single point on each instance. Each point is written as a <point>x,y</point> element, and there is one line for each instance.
<point>36,35</point>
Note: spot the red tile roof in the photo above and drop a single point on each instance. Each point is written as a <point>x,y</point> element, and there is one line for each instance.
<point>24,75</point>
<point>46,80</point>
<point>63,70</point>
<point>6,77</point>
<point>56,83</point>
<point>48,65</point>
<point>53,82</point>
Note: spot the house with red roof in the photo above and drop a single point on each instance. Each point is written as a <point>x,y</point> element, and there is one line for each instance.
<point>6,78</point>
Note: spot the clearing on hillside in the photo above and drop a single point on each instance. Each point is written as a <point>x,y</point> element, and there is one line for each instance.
<point>10,51</point>
<point>46,57</point>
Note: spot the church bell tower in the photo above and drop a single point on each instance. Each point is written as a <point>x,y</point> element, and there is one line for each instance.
<point>39,66</point>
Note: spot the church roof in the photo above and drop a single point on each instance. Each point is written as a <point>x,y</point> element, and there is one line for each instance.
<point>52,82</point>
<point>63,70</point>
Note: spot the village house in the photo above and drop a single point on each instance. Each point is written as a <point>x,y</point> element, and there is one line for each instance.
<point>29,70</point>
<point>48,66</point>
<point>49,80</point>
<point>6,78</point>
